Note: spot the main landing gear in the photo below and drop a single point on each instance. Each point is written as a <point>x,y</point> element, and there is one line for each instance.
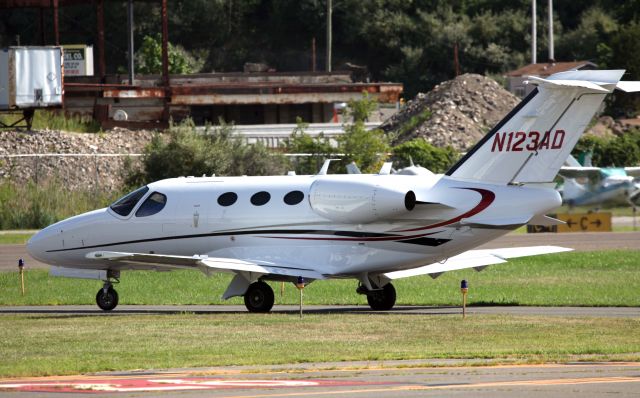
<point>380,299</point>
<point>259,297</point>
<point>107,297</point>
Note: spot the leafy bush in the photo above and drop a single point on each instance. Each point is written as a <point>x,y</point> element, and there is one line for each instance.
<point>149,58</point>
<point>619,151</point>
<point>438,160</point>
<point>183,151</point>
<point>318,149</point>
<point>367,148</point>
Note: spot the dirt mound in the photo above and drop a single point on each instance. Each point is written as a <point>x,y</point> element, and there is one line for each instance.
<point>462,111</point>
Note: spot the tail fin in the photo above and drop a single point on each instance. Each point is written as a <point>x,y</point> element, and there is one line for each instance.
<point>531,143</point>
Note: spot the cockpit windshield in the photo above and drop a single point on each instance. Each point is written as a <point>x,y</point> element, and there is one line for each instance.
<point>125,204</point>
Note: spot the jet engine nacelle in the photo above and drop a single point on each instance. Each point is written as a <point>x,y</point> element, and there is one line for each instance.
<point>362,202</point>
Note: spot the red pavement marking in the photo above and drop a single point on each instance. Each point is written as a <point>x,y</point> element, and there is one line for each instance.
<point>164,384</point>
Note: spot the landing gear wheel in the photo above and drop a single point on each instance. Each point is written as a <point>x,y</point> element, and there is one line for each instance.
<point>259,297</point>
<point>382,300</point>
<point>107,300</point>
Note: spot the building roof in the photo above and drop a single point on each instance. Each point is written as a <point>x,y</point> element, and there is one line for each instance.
<point>549,68</point>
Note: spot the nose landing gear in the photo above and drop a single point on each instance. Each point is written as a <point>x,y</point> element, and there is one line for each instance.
<point>107,297</point>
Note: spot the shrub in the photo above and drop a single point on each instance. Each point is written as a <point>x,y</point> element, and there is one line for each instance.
<point>438,160</point>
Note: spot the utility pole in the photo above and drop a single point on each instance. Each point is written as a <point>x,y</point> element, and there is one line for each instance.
<point>534,33</point>
<point>329,34</point>
<point>552,58</point>
<point>130,28</point>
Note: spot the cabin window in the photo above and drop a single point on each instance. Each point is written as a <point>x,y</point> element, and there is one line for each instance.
<point>124,205</point>
<point>227,199</point>
<point>293,198</point>
<point>154,203</point>
<point>260,198</point>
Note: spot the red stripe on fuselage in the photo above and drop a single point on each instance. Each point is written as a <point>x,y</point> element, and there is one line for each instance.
<point>356,239</point>
<point>487,198</point>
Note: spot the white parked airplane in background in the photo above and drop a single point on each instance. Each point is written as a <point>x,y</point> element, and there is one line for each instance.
<point>606,185</point>
<point>372,228</point>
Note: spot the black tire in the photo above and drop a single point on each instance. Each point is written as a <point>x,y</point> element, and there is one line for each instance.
<point>259,297</point>
<point>107,301</point>
<point>382,300</point>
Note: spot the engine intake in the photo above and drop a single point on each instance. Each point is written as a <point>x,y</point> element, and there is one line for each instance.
<point>359,202</point>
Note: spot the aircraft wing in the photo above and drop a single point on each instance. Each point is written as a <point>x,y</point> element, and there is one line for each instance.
<point>477,259</point>
<point>577,172</point>
<point>632,171</point>
<point>207,265</point>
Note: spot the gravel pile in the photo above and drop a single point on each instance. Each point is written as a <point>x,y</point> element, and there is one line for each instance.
<point>89,172</point>
<point>463,110</point>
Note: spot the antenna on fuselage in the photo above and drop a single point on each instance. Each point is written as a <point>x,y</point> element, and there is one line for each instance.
<point>325,167</point>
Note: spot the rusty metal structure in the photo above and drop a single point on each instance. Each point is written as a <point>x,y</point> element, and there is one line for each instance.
<point>244,98</point>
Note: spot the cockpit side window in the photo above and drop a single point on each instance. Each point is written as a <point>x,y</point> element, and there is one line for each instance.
<point>154,203</point>
<point>124,205</point>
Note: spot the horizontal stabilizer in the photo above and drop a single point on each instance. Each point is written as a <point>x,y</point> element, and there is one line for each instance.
<point>569,83</point>
<point>629,87</point>
<point>476,259</point>
<point>203,263</point>
<point>545,221</point>
<point>632,171</point>
<point>578,172</point>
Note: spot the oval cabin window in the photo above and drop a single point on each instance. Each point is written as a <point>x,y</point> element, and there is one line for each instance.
<point>293,198</point>
<point>227,199</point>
<point>260,198</point>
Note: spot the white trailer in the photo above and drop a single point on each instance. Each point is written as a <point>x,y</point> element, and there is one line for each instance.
<point>30,78</point>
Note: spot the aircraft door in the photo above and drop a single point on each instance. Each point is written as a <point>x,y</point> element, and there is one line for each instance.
<point>194,209</point>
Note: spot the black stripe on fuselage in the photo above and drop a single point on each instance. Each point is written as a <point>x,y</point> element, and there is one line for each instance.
<point>352,234</point>
<point>492,132</point>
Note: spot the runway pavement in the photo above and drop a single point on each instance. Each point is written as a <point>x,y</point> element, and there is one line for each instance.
<point>581,241</point>
<point>389,379</point>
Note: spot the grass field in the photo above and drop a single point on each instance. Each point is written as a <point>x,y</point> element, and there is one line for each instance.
<point>14,238</point>
<point>46,345</point>
<point>607,278</point>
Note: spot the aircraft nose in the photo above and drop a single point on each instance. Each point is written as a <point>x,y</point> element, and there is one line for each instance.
<point>40,243</point>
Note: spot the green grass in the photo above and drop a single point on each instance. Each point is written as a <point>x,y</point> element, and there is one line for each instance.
<point>69,344</point>
<point>32,205</point>
<point>53,120</point>
<point>606,278</point>
<point>14,238</point>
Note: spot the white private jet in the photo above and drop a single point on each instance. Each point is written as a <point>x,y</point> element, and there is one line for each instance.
<point>372,228</point>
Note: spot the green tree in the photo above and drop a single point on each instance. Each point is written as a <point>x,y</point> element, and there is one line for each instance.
<point>360,110</point>
<point>367,148</point>
<point>318,148</point>
<point>438,160</point>
<point>183,151</point>
<point>149,58</point>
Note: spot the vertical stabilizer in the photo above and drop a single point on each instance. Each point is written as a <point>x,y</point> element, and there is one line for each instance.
<point>532,142</point>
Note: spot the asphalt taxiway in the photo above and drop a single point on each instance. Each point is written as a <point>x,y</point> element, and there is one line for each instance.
<point>389,379</point>
<point>607,312</point>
